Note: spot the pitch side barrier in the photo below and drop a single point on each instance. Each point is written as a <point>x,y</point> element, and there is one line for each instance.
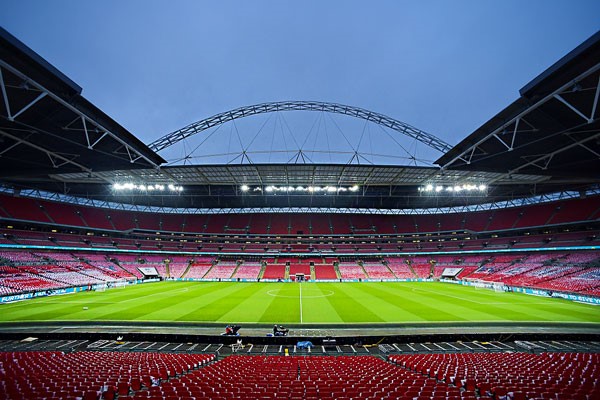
<point>293,281</point>
<point>69,290</point>
<point>537,292</point>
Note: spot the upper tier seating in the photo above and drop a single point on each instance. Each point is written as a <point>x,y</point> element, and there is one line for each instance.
<point>564,211</point>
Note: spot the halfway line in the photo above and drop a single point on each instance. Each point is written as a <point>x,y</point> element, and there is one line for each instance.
<point>300,302</point>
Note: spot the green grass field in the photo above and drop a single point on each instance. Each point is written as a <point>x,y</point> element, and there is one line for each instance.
<point>292,303</point>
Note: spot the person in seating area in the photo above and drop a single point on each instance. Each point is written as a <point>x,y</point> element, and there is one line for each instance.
<point>231,330</point>
<point>280,330</point>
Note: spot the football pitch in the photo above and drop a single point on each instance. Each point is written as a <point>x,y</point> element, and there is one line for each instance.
<point>295,304</point>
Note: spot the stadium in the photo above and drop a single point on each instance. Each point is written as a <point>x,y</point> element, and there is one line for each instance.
<point>477,276</point>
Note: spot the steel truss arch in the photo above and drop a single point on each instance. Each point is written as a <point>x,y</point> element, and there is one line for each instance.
<point>335,108</point>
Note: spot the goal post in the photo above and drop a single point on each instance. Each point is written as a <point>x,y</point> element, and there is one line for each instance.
<point>498,287</point>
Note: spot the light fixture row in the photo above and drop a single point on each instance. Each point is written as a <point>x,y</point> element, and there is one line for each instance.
<point>430,188</point>
<point>300,189</point>
<point>155,187</point>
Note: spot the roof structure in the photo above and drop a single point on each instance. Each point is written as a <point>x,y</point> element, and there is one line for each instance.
<point>552,129</point>
<point>219,186</point>
<point>52,139</point>
<point>46,126</point>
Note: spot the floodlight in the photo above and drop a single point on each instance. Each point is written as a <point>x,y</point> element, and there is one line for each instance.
<point>245,188</point>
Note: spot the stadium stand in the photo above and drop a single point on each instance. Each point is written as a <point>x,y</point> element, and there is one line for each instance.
<point>300,268</point>
<point>546,214</point>
<point>274,271</point>
<point>351,270</point>
<point>222,270</point>
<point>325,272</point>
<point>322,377</point>
<point>197,270</point>
<point>400,268</point>
<point>376,270</point>
<point>513,376</point>
<point>422,271</point>
<point>88,375</point>
<point>248,270</point>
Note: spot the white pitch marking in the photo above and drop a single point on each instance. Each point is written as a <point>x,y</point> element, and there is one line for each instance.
<point>300,302</point>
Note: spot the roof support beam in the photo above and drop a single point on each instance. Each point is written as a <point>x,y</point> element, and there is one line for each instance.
<point>549,156</point>
<point>52,155</point>
<point>65,104</point>
<point>572,107</point>
<point>593,114</point>
<point>525,112</point>
<point>22,110</point>
<point>4,95</point>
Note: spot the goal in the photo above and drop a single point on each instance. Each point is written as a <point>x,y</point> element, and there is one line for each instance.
<point>497,287</point>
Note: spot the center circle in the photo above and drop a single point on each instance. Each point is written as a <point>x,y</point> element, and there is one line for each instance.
<point>325,293</point>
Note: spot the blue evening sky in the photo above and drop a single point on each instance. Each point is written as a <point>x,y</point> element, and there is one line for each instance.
<point>443,66</point>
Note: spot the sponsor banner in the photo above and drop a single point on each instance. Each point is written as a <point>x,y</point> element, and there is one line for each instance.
<point>451,272</point>
<point>148,271</point>
<point>545,293</point>
<point>41,293</point>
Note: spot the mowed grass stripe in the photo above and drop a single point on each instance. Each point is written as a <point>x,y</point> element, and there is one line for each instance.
<point>138,308</point>
<point>512,306</point>
<point>472,301</point>
<point>409,307</point>
<point>315,307</point>
<point>213,306</point>
<point>284,303</point>
<point>268,303</point>
<point>256,307</point>
<point>70,307</point>
<point>349,304</point>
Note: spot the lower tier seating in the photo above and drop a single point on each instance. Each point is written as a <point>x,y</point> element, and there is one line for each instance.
<point>166,376</point>
<point>516,376</point>
<point>88,375</point>
<point>279,377</point>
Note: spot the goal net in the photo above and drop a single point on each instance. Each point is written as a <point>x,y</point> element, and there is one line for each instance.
<point>498,287</point>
